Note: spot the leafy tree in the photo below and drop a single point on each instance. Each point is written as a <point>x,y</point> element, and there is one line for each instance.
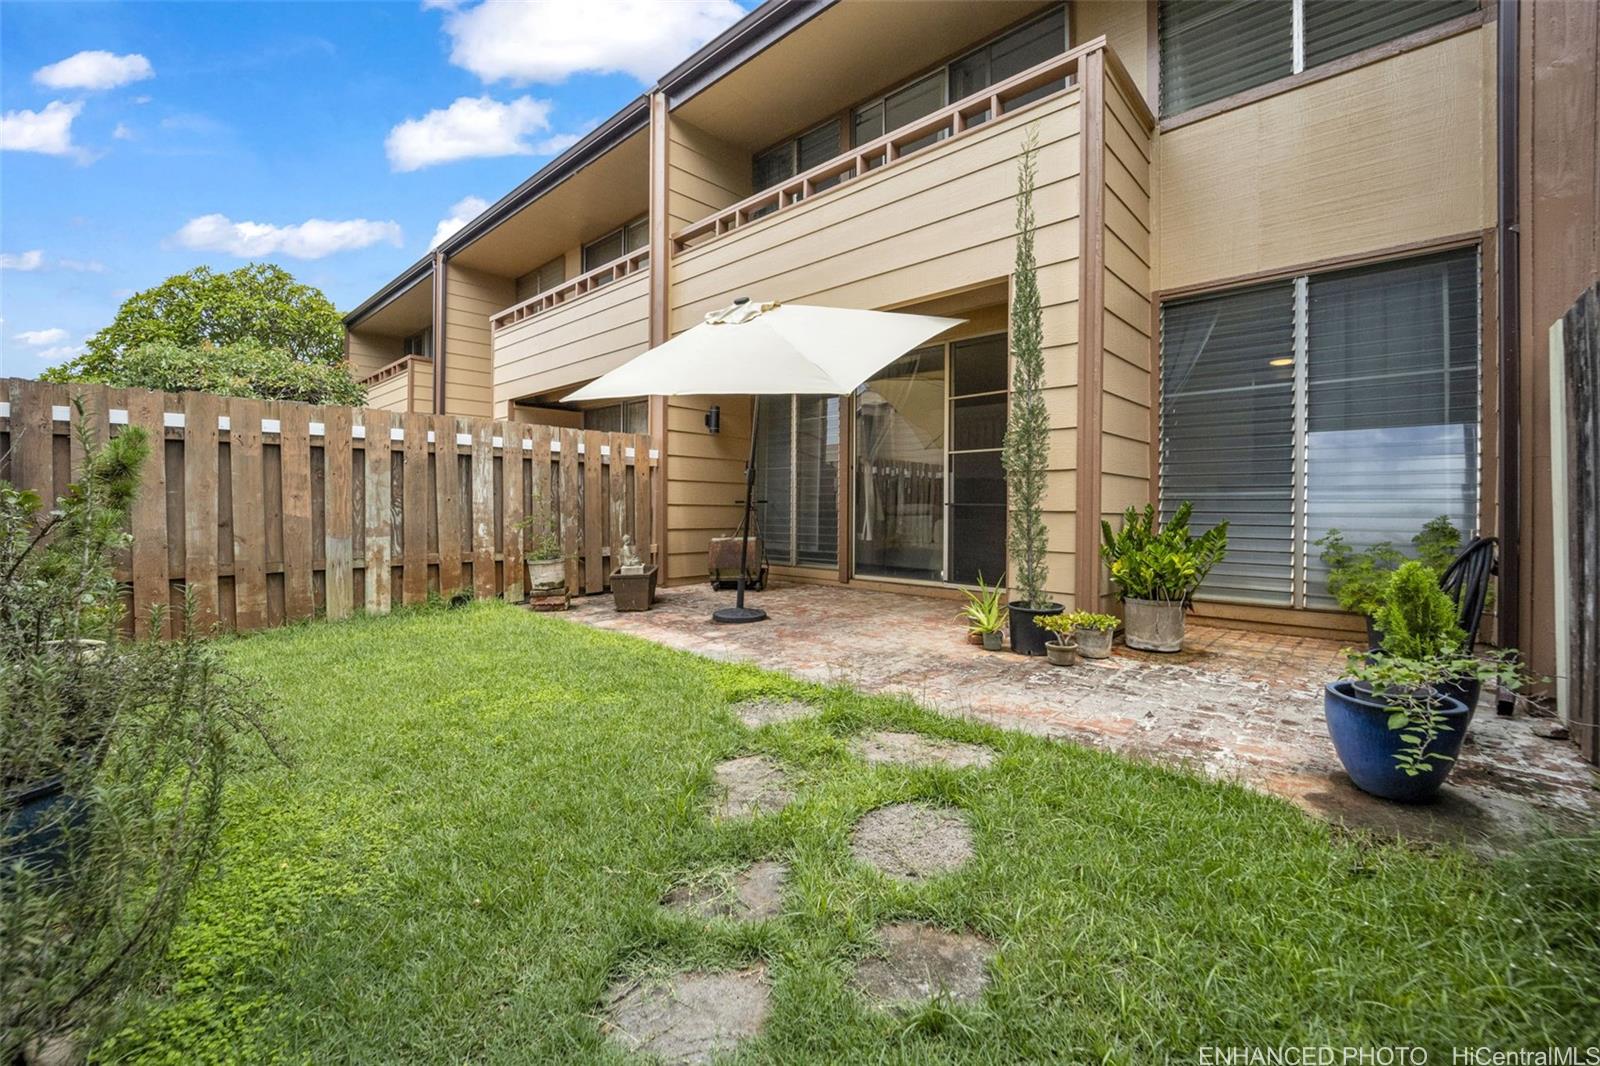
<point>246,368</point>
<point>259,302</point>
<point>1026,449</point>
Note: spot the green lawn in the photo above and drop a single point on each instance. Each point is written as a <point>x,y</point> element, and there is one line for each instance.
<point>486,806</point>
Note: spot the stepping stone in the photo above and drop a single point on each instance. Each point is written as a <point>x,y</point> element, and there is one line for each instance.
<point>912,841</point>
<point>914,749</point>
<point>918,962</point>
<point>751,785</point>
<point>689,1017</point>
<point>753,894</point>
<point>757,713</point>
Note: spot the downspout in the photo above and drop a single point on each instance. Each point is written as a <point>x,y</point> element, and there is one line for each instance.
<point>438,332</point>
<point>1509,325</point>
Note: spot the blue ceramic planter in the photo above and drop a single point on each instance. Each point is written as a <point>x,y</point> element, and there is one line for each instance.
<point>37,821</point>
<point>1366,745</point>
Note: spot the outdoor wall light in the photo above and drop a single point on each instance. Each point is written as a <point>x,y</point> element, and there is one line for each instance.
<point>714,419</point>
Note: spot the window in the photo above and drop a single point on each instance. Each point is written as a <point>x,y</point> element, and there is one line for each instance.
<point>419,344</point>
<point>542,279</point>
<point>795,156</point>
<point>1215,48</point>
<point>614,245</point>
<point>1347,400</point>
<point>633,416</point>
<point>797,479</point>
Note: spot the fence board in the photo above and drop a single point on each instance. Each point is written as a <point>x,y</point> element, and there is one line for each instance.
<point>643,530</point>
<point>263,525</point>
<point>482,522</point>
<point>294,446</point>
<point>379,521</point>
<point>249,519</point>
<point>200,505</point>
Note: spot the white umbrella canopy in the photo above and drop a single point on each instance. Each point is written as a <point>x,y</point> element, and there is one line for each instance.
<point>770,349</point>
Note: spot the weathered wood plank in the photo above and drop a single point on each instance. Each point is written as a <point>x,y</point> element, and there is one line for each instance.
<point>338,459</point>
<point>512,494</point>
<point>594,516</point>
<point>414,542</point>
<point>295,451</point>
<point>617,492</point>
<point>483,509</point>
<point>643,529</point>
<point>249,520</point>
<point>33,440</point>
<point>379,519</point>
<point>200,488</point>
<point>571,520</point>
<point>150,515</point>
<point>447,476</point>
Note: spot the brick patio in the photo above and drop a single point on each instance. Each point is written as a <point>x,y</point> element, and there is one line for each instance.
<point>1246,706</point>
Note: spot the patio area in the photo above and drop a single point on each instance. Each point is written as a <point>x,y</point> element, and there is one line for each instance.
<point>1238,705</point>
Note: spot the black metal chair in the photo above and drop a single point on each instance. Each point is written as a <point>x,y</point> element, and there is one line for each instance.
<point>1467,581</point>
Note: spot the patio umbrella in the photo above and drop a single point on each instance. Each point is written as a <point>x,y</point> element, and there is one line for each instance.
<point>768,349</point>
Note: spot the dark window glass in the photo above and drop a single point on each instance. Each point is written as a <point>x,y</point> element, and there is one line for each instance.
<point>602,251</point>
<point>1335,28</point>
<point>978,365</point>
<point>1214,48</point>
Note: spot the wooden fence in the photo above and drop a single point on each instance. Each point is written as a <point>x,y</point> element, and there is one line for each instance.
<point>1575,448</point>
<point>273,512</point>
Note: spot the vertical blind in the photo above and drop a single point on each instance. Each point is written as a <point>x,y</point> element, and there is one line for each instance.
<point>1345,400</point>
<point>797,479</point>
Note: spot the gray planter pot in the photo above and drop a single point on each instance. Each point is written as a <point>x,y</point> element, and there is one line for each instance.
<point>1153,625</point>
<point>547,573</point>
<point>1061,654</point>
<point>1093,643</point>
<point>993,641</point>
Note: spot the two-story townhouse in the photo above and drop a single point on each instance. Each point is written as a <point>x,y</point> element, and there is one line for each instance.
<point>1272,243</point>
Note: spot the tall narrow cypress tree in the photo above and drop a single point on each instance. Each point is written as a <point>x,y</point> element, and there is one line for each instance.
<point>1026,452</point>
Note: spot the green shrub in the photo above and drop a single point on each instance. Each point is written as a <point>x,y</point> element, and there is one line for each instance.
<point>1165,564</point>
<point>1417,617</point>
<point>243,368</point>
<point>1357,579</point>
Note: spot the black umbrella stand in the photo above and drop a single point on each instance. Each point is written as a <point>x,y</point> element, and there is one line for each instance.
<point>739,613</point>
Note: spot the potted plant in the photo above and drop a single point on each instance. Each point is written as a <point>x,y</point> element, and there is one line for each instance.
<point>1157,572</point>
<point>1092,633</point>
<point>1357,579</point>
<point>633,584</point>
<point>1400,715</point>
<point>547,566</point>
<point>985,614</point>
<point>1025,452</point>
<point>1062,651</point>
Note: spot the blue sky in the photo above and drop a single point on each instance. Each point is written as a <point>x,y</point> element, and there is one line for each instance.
<point>140,140</point>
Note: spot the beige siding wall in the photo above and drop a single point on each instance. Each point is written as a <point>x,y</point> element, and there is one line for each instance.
<point>411,390</point>
<point>370,352</point>
<point>1387,154</point>
<point>470,297</point>
<point>573,343</point>
<point>704,174</point>
<point>1123,24</point>
<point>934,224</point>
<point>1126,452</point>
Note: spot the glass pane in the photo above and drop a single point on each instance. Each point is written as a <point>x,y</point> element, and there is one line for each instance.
<point>978,422</point>
<point>636,235</point>
<point>978,518</point>
<point>817,480</point>
<point>1028,46</point>
<point>867,125</point>
<point>1337,28</point>
<point>899,496</point>
<point>818,146</point>
<point>636,417</point>
<point>1227,432</point>
<point>603,419</point>
<point>969,74</point>
<point>978,365</point>
<point>1214,48</point>
<point>602,251</point>
<point>1393,421</point>
<point>774,474</point>
<point>772,166</point>
<point>914,101</point>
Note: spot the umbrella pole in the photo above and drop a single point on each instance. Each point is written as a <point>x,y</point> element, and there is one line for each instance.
<point>739,613</point>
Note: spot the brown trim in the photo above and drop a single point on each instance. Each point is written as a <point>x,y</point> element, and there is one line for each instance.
<point>1489,410</point>
<point>1155,400</point>
<point>845,525</point>
<point>1509,320</point>
<point>660,326</point>
<point>1343,65</point>
<point>1320,266</point>
<point>440,275</point>
<point>1091,330</point>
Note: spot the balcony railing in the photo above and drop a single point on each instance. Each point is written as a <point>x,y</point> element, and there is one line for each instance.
<point>600,276</point>
<point>395,369</point>
<point>954,120</point>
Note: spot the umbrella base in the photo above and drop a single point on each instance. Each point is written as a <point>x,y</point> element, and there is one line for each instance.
<point>738,615</point>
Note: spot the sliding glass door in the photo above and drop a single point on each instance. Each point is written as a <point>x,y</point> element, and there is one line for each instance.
<point>797,479</point>
<point>900,475</point>
<point>977,479</point>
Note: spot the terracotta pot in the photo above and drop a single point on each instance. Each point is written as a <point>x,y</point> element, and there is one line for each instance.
<point>1153,625</point>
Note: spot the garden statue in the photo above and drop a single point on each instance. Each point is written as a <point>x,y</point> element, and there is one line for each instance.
<point>630,557</point>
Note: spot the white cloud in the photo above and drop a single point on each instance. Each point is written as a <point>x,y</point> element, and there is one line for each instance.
<point>311,239</point>
<point>464,211</point>
<point>94,70</point>
<point>122,132</point>
<point>521,42</point>
<point>64,351</point>
<point>83,266</point>
<point>470,128</point>
<point>48,131</point>
<point>30,260</point>
<point>38,338</point>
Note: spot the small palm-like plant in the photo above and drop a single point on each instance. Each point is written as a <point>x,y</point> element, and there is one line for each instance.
<point>1166,563</point>
<point>985,611</point>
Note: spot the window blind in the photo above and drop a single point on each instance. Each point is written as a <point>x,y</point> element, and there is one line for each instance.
<point>1214,48</point>
<point>1228,432</point>
<point>1392,398</point>
<point>775,477</point>
<point>816,478</point>
<point>1335,28</point>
